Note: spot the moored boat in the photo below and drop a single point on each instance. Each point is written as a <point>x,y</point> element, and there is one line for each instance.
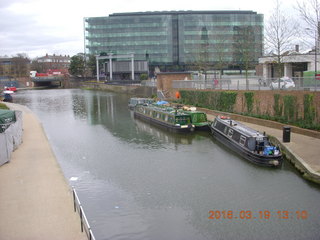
<point>249,143</point>
<point>198,118</point>
<point>168,118</point>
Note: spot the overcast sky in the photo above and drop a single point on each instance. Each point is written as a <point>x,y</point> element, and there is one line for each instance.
<point>37,27</point>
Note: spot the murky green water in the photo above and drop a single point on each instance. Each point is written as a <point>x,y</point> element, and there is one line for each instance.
<point>136,181</point>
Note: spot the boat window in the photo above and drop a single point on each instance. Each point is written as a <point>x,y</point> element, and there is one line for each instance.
<point>230,133</point>
<point>166,118</point>
<point>225,130</point>
<point>170,119</point>
<point>154,114</point>
<point>215,123</point>
<point>242,140</point>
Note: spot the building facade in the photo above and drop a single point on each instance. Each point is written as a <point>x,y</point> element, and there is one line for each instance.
<point>48,63</point>
<point>293,65</point>
<point>179,40</point>
<point>14,71</point>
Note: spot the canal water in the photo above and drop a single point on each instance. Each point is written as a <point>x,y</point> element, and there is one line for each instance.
<point>137,182</point>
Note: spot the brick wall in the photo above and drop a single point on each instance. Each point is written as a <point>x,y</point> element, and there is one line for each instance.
<point>164,81</point>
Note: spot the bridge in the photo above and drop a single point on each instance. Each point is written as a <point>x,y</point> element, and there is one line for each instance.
<point>48,81</point>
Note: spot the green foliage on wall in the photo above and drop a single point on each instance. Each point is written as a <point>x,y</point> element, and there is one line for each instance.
<point>221,101</point>
<point>249,101</point>
<point>277,107</point>
<point>309,108</point>
<point>285,106</point>
<point>289,111</point>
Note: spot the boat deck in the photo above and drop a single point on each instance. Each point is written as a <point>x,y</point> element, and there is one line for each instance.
<point>249,132</point>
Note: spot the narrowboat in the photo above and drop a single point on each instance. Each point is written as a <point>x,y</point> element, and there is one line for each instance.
<point>168,118</point>
<point>134,101</point>
<point>249,143</point>
<point>198,118</point>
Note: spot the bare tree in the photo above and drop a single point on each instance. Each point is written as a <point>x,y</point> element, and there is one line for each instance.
<point>310,13</point>
<point>245,47</point>
<point>280,33</point>
<point>20,65</point>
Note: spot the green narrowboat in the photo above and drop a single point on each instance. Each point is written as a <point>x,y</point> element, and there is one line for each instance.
<point>198,119</point>
<point>168,118</point>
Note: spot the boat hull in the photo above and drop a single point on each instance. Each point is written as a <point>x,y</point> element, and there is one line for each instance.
<point>262,160</point>
<point>202,127</point>
<point>169,127</point>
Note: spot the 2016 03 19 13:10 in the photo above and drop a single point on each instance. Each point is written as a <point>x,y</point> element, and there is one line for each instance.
<point>257,214</point>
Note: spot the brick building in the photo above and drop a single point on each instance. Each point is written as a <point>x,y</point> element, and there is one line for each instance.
<point>48,62</point>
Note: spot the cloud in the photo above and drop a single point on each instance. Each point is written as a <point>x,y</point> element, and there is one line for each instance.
<point>37,27</point>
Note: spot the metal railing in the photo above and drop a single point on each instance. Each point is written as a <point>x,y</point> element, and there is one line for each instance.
<point>252,83</point>
<point>83,219</point>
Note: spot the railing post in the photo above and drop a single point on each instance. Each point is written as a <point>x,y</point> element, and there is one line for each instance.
<point>81,220</point>
<point>74,200</point>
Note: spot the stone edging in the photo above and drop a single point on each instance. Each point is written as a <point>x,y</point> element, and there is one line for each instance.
<point>303,167</point>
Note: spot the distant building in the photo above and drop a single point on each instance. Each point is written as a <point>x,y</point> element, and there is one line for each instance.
<point>51,62</point>
<point>178,40</point>
<point>294,64</point>
<point>14,67</point>
<point>14,71</point>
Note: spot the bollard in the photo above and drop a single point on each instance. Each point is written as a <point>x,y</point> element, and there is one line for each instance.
<point>286,134</point>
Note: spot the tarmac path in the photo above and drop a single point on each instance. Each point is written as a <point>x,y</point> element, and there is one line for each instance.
<point>35,199</point>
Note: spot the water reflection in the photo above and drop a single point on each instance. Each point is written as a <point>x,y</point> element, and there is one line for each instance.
<point>140,182</point>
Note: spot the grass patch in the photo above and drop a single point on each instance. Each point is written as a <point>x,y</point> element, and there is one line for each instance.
<point>3,106</point>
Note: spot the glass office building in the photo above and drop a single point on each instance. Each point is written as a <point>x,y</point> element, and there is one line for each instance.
<point>178,40</point>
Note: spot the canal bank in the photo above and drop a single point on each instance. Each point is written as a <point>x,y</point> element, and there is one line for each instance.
<point>136,90</point>
<point>302,150</point>
<point>35,199</point>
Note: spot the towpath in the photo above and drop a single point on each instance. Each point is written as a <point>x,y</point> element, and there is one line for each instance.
<point>35,199</point>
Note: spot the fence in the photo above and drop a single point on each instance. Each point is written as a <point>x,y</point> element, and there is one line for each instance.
<point>83,219</point>
<point>251,83</point>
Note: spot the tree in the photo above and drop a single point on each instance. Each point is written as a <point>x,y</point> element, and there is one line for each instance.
<point>245,49</point>
<point>310,13</point>
<point>20,65</point>
<point>77,66</point>
<point>280,33</point>
<point>91,65</point>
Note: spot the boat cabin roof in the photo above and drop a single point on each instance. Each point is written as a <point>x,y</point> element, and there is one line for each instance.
<point>167,110</point>
<point>243,129</point>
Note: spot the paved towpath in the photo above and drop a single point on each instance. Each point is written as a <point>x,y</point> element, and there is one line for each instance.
<point>35,199</point>
<point>305,147</point>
